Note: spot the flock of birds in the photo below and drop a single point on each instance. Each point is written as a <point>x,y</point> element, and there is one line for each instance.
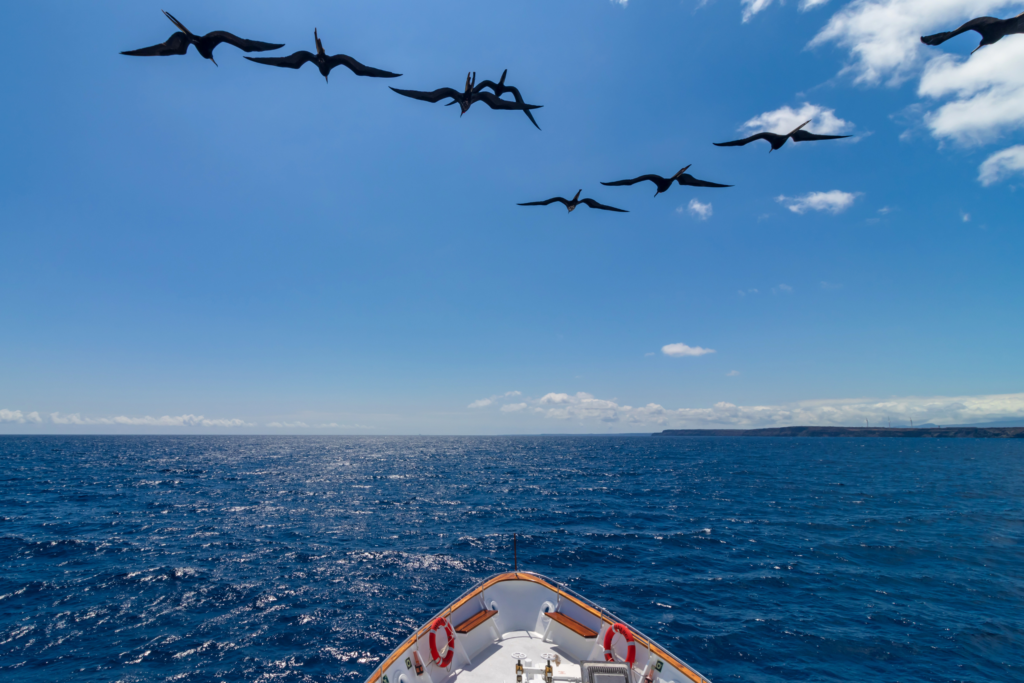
<point>991,30</point>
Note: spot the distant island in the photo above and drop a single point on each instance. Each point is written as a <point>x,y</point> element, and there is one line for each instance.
<point>862,432</point>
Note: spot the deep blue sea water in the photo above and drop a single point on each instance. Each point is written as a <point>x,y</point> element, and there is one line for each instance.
<point>309,559</point>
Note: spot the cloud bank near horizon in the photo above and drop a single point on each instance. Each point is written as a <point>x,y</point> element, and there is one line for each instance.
<point>583,408</point>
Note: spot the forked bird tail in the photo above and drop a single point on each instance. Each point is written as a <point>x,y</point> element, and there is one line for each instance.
<point>181,27</point>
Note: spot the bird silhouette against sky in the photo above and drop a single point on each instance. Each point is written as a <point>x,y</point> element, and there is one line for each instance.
<point>323,62</point>
<point>571,204</point>
<point>663,184</point>
<point>179,41</point>
<point>466,98</point>
<point>992,30</point>
<point>500,89</point>
<point>777,140</point>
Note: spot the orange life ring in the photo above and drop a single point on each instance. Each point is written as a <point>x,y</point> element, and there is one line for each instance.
<point>443,663</point>
<point>610,633</point>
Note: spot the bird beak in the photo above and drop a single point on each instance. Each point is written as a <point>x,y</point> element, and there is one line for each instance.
<point>214,61</point>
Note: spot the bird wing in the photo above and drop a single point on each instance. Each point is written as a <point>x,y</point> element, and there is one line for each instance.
<point>495,102</point>
<point>357,68</point>
<point>547,201</point>
<point>486,84</point>
<point>804,136</point>
<point>215,38</point>
<point>293,61</point>
<point>177,44</point>
<point>687,179</point>
<point>656,179</point>
<point>972,25</point>
<point>435,96</point>
<point>499,89</point>
<point>745,141</point>
<point>595,205</point>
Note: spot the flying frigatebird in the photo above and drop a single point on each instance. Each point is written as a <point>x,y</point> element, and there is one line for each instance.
<point>179,41</point>
<point>500,89</point>
<point>776,140</point>
<point>683,178</point>
<point>992,30</point>
<point>467,97</point>
<point>323,62</point>
<point>571,204</point>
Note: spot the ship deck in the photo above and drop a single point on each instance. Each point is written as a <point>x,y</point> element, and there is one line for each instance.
<point>523,614</point>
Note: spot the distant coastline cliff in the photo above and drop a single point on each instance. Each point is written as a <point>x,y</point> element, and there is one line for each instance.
<point>862,432</point>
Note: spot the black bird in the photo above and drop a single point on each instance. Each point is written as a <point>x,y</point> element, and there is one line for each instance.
<point>500,89</point>
<point>467,97</point>
<point>776,140</point>
<point>323,62</point>
<point>992,30</point>
<point>683,178</point>
<point>179,41</point>
<point>571,204</point>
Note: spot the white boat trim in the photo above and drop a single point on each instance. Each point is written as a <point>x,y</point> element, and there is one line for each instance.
<point>524,592</point>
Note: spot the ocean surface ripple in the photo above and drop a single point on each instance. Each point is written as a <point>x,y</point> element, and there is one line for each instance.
<point>309,559</point>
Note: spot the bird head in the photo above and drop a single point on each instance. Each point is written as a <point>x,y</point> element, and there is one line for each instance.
<point>574,202</point>
<point>468,99</point>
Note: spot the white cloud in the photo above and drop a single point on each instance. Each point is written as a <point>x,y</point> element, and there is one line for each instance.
<point>701,211</point>
<point>988,90</point>
<point>18,416</point>
<point>733,373</point>
<point>1001,165</point>
<point>752,7</point>
<point>985,91</point>
<point>965,217</point>
<point>883,36</point>
<point>514,407</point>
<point>784,119</point>
<point>684,351</point>
<point>303,425</point>
<point>147,421</point>
<point>939,410</point>
<point>786,289</point>
<point>833,201</point>
<point>484,402</point>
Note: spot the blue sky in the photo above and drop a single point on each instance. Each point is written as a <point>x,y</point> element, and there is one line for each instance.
<point>239,249</point>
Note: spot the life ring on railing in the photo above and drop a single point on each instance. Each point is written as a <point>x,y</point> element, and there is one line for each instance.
<point>609,634</point>
<point>443,663</point>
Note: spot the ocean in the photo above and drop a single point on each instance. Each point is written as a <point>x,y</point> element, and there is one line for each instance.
<point>311,558</point>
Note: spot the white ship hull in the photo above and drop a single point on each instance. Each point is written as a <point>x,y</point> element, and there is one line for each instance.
<point>526,618</point>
